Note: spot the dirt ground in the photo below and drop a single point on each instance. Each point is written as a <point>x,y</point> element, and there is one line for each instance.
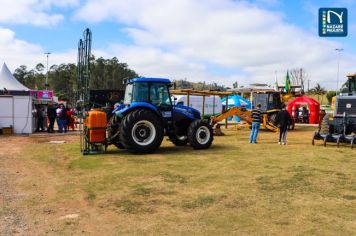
<point>14,218</point>
<point>231,188</point>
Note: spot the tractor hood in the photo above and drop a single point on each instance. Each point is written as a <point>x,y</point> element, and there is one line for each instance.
<point>187,111</point>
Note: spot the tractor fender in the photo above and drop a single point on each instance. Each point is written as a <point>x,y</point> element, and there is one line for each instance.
<point>119,107</point>
<point>135,106</point>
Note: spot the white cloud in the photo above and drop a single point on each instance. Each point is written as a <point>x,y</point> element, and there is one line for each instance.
<point>15,52</point>
<point>33,12</point>
<point>181,38</point>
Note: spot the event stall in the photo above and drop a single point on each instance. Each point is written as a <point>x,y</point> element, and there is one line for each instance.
<point>15,104</point>
<point>311,104</point>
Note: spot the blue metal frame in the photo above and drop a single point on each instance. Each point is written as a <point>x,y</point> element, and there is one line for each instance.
<point>123,111</point>
<point>149,80</point>
<point>189,112</point>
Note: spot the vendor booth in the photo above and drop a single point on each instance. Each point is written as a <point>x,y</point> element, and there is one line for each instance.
<point>307,103</point>
<point>15,104</point>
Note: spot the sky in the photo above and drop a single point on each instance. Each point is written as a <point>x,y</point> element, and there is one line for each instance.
<point>222,41</point>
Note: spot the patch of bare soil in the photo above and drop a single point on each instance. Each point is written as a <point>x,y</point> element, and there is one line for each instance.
<point>15,218</point>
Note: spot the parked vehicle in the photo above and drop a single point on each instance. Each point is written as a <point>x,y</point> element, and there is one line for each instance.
<point>148,114</point>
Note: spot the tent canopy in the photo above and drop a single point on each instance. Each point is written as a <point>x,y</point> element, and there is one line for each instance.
<point>237,101</point>
<point>9,82</point>
<point>314,107</point>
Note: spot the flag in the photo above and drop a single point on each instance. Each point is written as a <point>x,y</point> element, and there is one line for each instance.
<point>276,82</point>
<point>287,85</point>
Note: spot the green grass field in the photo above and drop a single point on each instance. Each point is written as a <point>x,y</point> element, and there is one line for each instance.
<point>232,188</point>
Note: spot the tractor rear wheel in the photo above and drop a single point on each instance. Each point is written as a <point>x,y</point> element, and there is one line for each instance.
<point>112,130</point>
<point>141,131</point>
<point>178,140</point>
<point>200,134</point>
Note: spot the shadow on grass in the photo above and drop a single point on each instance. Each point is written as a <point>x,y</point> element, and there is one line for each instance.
<point>178,151</point>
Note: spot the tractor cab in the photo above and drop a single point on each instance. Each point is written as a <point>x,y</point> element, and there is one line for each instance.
<point>152,91</point>
<point>351,84</point>
<point>268,100</point>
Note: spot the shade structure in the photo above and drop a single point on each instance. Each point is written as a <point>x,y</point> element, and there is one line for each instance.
<point>9,82</point>
<point>15,104</point>
<point>305,101</point>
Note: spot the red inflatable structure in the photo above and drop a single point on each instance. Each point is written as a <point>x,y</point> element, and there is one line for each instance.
<point>304,101</point>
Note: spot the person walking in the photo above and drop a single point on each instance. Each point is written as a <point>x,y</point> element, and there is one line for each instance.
<point>256,122</point>
<point>283,121</point>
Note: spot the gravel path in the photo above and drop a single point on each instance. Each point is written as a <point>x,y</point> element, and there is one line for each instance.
<point>12,221</point>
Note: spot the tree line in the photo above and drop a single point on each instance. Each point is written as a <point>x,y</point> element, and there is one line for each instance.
<point>62,79</point>
<point>105,74</point>
<point>110,73</point>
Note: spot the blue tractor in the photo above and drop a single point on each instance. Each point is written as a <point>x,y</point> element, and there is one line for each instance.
<point>148,114</point>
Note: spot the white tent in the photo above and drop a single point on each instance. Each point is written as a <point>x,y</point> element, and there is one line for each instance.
<point>15,104</point>
<point>8,81</point>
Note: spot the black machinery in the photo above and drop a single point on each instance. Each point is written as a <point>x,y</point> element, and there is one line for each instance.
<point>343,127</point>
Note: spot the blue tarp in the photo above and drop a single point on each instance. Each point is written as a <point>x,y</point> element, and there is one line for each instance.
<point>236,101</point>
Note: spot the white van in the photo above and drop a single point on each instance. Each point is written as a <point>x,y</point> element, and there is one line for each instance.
<point>212,103</point>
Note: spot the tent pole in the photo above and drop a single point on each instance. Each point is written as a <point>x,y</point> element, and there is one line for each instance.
<point>226,108</point>
<point>13,113</point>
<point>203,106</point>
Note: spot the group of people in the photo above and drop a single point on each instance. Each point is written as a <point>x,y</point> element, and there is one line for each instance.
<point>301,116</point>
<point>64,117</point>
<point>283,120</point>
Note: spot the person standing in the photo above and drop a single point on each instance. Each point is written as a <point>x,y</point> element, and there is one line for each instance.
<point>283,121</point>
<point>305,115</point>
<point>51,114</point>
<point>40,119</point>
<point>256,122</point>
<point>296,114</point>
<point>65,119</point>
<point>70,118</point>
<point>61,118</point>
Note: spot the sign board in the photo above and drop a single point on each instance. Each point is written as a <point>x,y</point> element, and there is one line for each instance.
<point>332,22</point>
<point>44,95</point>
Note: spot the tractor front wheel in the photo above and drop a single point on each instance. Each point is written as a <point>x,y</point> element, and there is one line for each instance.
<point>200,134</point>
<point>141,131</point>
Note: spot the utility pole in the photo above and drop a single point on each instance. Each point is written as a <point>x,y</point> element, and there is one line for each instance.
<point>308,84</point>
<point>338,67</point>
<point>46,84</point>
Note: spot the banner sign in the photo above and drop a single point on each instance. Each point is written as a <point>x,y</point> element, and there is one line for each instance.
<point>45,95</point>
<point>332,22</point>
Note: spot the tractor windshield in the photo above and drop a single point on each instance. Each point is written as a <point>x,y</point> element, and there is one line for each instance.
<point>155,93</point>
<point>159,95</point>
<point>128,94</point>
<point>352,84</point>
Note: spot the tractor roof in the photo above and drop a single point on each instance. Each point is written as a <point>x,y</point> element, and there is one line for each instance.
<point>152,80</point>
<point>351,75</point>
